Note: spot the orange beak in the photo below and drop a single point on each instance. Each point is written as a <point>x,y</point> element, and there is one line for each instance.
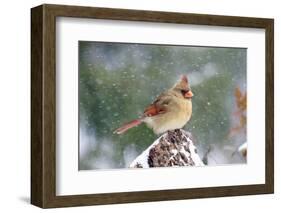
<point>189,94</point>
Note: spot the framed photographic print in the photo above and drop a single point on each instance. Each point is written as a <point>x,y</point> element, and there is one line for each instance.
<point>136,106</point>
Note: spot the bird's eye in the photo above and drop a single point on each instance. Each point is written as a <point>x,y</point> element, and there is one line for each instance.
<point>184,91</point>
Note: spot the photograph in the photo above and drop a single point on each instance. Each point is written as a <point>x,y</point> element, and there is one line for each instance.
<point>161,105</point>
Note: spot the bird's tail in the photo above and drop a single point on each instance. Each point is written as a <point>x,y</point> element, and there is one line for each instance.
<point>127,126</point>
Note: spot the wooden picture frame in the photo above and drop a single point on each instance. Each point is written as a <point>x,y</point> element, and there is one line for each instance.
<point>43,105</point>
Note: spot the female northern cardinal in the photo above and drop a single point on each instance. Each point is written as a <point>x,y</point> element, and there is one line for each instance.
<point>171,110</point>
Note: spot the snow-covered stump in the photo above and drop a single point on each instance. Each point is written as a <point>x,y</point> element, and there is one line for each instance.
<point>173,148</point>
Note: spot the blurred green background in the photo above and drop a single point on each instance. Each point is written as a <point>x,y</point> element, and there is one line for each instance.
<point>117,81</point>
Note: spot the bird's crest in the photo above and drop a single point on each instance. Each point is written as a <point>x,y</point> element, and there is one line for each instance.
<point>184,79</point>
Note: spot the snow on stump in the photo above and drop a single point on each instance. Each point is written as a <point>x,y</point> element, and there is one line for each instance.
<point>172,149</point>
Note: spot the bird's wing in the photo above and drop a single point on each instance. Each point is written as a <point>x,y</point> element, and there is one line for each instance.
<point>153,110</point>
<point>158,106</point>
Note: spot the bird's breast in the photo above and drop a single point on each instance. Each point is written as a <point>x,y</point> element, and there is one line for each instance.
<point>175,118</point>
